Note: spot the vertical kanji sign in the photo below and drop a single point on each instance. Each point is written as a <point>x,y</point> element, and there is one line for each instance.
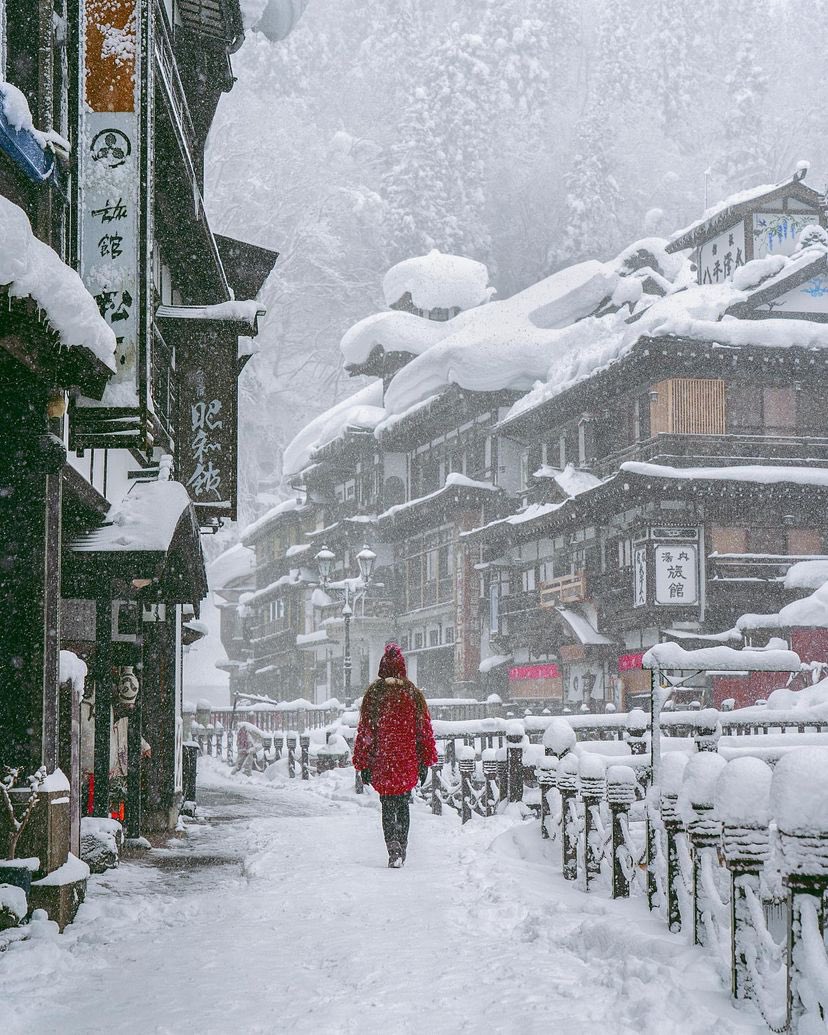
<point>110,152</point>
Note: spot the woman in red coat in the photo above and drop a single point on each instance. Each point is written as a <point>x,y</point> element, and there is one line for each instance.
<point>394,746</point>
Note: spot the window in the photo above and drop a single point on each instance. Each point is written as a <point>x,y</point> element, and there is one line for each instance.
<point>434,637</point>
<point>744,408</point>
<point>624,553</point>
<point>418,640</point>
<point>779,406</point>
<point>804,541</point>
<point>449,634</point>
<point>728,539</point>
<point>528,580</point>
<point>688,406</point>
<point>429,565</point>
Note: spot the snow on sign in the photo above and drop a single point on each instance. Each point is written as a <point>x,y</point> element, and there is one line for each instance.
<point>109,175</point>
<point>676,573</point>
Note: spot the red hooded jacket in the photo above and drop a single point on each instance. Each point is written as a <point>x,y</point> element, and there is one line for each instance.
<point>394,737</point>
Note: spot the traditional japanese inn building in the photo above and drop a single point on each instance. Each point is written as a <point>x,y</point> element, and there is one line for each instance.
<point>626,452</point>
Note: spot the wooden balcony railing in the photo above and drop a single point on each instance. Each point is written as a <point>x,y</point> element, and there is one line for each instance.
<point>567,589</point>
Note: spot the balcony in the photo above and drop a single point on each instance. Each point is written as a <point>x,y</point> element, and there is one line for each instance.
<point>518,604</point>
<point>567,589</point>
<point>368,608</point>
<point>269,629</point>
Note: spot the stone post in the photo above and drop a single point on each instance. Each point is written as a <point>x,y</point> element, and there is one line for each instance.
<point>436,799</point>
<point>593,787</point>
<point>546,774</point>
<point>743,805</point>
<point>210,731</point>
<point>707,730</point>
<point>466,762</point>
<point>621,782</point>
<point>568,788</point>
<point>219,740</point>
<point>514,759</point>
<point>490,774</point>
<point>637,726</point>
<point>304,744</point>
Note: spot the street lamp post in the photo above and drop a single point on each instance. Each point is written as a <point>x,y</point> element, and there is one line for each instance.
<point>366,559</point>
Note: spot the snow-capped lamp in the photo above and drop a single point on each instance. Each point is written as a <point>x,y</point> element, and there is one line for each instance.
<point>324,561</point>
<point>802,167</point>
<point>366,558</point>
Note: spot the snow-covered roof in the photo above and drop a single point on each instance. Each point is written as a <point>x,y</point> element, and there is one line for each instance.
<point>363,409</point>
<point>453,481</point>
<point>808,613</point>
<point>144,520</point>
<point>754,473</point>
<point>238,562</point>
<point>392,331</point>
<point>492,662</point>
<point>31,269</point>
<point>438,281</point>
<point>285,507</point>
<point>570,480</point>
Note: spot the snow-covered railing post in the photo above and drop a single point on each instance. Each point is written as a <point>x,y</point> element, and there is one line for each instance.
<point>466,762</point>
<point>451,755</point>
<point>490,775</point>
<point>219,739</point>
<point>672,774</point>
<point>546,781</point>
<point>291,746</point>
<point>800,808</point>
<point>359,787</point>
<point>621,783</point>
<point>230,755</point>
<point>568,788</point>
<point>637,726</point>
<point>743,806</point>
<point>210,731</point>
<point>592,777</point>
<point>707,730</point>
<point>436,800</point>
<point>304,744</point>
<point>697,803</point>
<point>502,783</point>
<point>514,753</point>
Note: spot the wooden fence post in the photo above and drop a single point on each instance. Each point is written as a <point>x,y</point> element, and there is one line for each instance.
<point>672,773</point>
<point>502,783</point>
<point>467,762</point>
<point>490,774</point>
<point>568,788</point>
<point>621,782</point>
<point>436,800</point>
<point>545,770</point>
<point>304,744</point>
<point>291,744</point>
<point>592,776</point>
<point>704,831</point>
<point>514,758</point>
<point>743,805</point>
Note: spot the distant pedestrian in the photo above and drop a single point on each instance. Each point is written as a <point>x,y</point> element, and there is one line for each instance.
<point>394,747</point>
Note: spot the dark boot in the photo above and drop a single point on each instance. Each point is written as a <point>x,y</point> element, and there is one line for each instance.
<point>395,855</point>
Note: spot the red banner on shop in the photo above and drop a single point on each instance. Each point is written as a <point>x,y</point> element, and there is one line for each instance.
<point>629,661</point>
<point>534,672</point>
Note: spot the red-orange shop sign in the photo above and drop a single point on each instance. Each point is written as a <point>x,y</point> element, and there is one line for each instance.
<point>534,672</point>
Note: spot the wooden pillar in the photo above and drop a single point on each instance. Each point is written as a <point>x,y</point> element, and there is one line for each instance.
<point>103,700</point>
<point>133,804</point>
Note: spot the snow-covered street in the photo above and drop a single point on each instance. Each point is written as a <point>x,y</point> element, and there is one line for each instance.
<point>279,914</point>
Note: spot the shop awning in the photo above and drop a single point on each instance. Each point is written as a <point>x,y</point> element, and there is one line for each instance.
<point>152,536</point>
<point>583,630</point>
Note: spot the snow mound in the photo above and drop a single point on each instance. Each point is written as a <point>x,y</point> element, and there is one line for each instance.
<point>393,331</point>
<point>743,793</point>
<point>798,798</point>
<point>438,281</point>
<point>235,563</point>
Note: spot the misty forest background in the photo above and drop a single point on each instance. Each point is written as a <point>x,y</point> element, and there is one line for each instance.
<point>528,134</point>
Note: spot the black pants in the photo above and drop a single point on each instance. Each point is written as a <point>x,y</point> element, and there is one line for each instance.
<point>395,817</point>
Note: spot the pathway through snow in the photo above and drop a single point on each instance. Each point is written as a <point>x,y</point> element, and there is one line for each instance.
<point>280,916</point>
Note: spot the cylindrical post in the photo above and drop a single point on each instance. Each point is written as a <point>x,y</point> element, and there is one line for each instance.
<point>621,784</point>
<point>743,805</point>
<point>799,811</point>
<point>703,829</point>
<point>346,661</point>
<point>451,754</point>
<point>592,776</point>
<point>545,770</point>
<point>707,730</point>
<point>436,800</point>
<point>466,763</point>
<point>672,774</point>
<point>291,743</point>
<point>219,740</point>
<point>359,786</point>
<point>568,788</point>
<point>304,744</point>
<point>502,783</point>
<point>490,774</point>
<point>514,759</point>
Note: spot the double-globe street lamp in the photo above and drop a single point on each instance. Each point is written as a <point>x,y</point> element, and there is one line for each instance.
<point>366,559</point>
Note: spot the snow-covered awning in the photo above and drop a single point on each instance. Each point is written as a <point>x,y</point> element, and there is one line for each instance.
<point>583,630</point>
<point>151,534</point>
<point>243,315</point>
<point>29,149</point>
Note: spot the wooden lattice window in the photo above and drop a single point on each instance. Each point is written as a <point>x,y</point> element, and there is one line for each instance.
<point>688,406</point>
